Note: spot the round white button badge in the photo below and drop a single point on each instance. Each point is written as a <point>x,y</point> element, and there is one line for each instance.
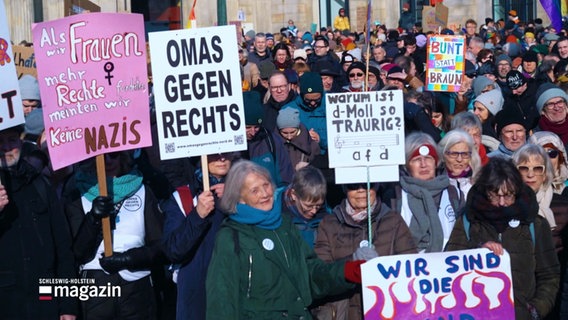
<point>513,223</point>
<point>268,244</point>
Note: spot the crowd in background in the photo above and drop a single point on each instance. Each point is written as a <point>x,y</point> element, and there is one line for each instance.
<point>273,235</point>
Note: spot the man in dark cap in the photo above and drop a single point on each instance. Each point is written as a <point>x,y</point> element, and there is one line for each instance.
<point>529,64</point>
<point>396,77</point>
<point>523,98</point>
<point>503,64</point>
<point>356,74</point>
<point>311,104</point>
<point>328,74</point>
<point>510,126</point>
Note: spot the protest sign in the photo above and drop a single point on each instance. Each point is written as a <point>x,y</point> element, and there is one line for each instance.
<point>197,87</point>
<point>93,81</point>
<point>359,174</point>
<point>11,110</point>
<point>24,58</point>
<point>446,62</point>
<point>365,128</point>
<point>468,284</point>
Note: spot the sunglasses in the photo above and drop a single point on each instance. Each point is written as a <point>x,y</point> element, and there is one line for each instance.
<point>353,75</point>
<point>312,101</point>
<point>218,157</point>
<point>552,153</point>
<point>536,170</point>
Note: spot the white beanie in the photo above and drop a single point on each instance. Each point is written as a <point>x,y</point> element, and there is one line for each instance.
<point>492,100</point>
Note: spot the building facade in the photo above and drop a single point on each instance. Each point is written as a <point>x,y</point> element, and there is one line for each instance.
<point>262,15</point>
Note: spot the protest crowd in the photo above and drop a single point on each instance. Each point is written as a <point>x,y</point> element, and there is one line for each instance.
<point>273,235</point>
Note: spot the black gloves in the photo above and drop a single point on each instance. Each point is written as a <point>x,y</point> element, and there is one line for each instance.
<point>116,262</point>
<point>133,259</point>
<point>102,207</point>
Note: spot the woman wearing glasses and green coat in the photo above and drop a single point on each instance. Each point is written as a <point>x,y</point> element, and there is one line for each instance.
<point>502,213</point>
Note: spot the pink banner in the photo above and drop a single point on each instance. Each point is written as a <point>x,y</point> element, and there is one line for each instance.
<point>94,85</point>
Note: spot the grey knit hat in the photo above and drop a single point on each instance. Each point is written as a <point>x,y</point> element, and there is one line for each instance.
<point>288,118</point>
<point>503,57</point>
<point>29,88</point>
<point>547,91</point>
<point>492,100</point>
<point>479,83</point>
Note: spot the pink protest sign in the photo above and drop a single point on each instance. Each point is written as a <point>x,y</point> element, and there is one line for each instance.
<point>467,284</point>
<point>93,82</point>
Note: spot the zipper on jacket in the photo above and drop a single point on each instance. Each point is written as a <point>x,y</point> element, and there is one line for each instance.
<point>249,276</point>
<point>283,249</point>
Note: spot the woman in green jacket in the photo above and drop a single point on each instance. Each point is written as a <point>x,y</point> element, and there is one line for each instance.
<point>261,268</point>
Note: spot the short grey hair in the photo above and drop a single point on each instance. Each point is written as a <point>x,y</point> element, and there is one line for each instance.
<point>530,151</point>
<point>466,121</point>
<point>454,137</point>
<point>235,181</point>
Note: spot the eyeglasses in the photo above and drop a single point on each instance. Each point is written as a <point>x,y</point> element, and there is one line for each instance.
<point>358,74</point>
<point>489,57</point>
<point>536,170</point>
<point>312,101</point>
<point>320,47</point>
<point>310,207</point>
<point>279,88</point>
<point>456,154</point>
<point>555,104</point>
<point>552,153</point>
<point>495,197</point>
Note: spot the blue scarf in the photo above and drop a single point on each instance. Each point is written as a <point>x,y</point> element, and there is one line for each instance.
<point>269,220</point>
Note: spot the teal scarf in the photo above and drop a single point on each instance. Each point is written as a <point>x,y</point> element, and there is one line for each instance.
<point>269,220</point>
<point>119,188</point>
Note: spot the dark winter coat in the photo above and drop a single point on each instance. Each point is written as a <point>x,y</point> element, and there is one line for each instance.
<point>188,241</point>
<point>534,265</point>
<point>339,236</point>
<point>267,149</point>
<point>35,243</point>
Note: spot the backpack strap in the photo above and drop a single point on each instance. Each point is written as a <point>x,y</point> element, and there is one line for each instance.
<point>531,229</point>
<point>466,225</point>
<point>186,198</point>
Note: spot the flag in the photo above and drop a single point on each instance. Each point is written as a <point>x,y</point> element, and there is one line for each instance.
<point>192,22</point>
<point>564,7</point>
<point>368,31</point>
<point>552,9</point>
